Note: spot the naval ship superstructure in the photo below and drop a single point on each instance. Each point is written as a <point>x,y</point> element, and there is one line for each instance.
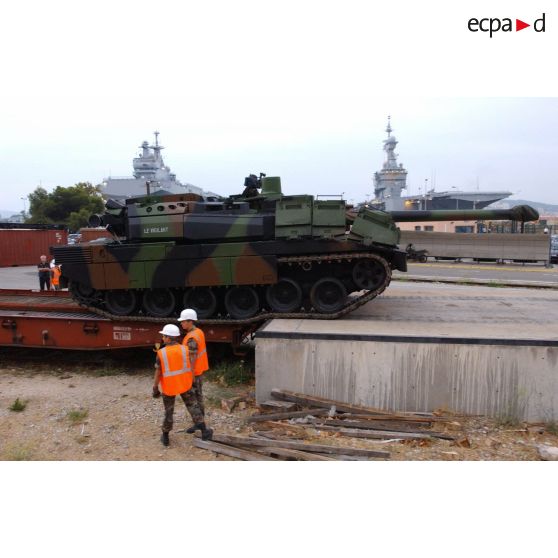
<point>151,176</point>
<point>392,180</point>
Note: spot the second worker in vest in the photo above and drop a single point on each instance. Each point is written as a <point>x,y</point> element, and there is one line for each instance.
<point>195,341</point>
<point>174,373</point>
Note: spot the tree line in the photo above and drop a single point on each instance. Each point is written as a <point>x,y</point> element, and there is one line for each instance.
<point>70,206</point>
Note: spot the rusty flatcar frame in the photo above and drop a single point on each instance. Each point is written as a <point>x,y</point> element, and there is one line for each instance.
<point>51,319</point>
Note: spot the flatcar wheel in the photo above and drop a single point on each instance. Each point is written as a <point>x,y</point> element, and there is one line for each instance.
<point>121,302</point>
<point>328,295</point>
<point>159,302</point>
<point>284,296</point>
<point>202,300</point>
<point>242,302</point>
<point>369,274</point>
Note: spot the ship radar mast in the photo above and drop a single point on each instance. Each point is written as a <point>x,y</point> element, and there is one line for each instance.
<point>389,148</point>
<point>157,148</point>
<point>392,179</point>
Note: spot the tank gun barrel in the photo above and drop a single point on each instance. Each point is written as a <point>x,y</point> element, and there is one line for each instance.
<point>521,213</point>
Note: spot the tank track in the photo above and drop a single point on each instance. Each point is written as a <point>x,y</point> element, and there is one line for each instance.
<point>352,303</point>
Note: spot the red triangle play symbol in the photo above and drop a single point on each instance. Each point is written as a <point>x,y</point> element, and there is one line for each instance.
<point>519,25</point>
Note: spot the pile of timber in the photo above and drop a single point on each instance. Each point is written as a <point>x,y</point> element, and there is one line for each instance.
<point>255,448</point>
<point>281,433</point>
<point>343,419</point>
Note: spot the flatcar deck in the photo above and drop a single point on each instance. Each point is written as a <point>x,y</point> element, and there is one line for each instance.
<point>51,319</point>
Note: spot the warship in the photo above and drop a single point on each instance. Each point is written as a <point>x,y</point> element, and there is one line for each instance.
<point>151,177</point>
<point>392,179</point>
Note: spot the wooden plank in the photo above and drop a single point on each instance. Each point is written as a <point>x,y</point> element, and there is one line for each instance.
<point>279,405</point>
<point>275,436</point>
<point>394,416</point>
<point>231,451</point>
<point>297,454</point>
<point>382,426</point>
<point>283,416</point>
<point>315,401</point>
<point>374,434</point>
<point>314,448</point>
<point>369,424</point>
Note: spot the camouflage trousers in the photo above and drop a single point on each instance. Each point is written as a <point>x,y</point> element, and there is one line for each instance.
<point>197,389</point>
<point>191,404</point>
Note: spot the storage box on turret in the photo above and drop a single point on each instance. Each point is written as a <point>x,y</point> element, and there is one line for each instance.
<point>293,217</point>
<point>328,218</point>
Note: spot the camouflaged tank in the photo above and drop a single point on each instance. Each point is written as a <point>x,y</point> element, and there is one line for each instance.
<point>256,255</point>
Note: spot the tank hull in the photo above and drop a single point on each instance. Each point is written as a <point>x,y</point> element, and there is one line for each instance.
<point>285,256</point>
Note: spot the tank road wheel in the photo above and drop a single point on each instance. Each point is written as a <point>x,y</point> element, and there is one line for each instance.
<point>328,295</point>
<point>159,302</point>
<point>242,302</point>
<point>202,300</point>
<point>369,274</point>
<point>284,296</point>
<point>121,302</point>
<point>82,293</point>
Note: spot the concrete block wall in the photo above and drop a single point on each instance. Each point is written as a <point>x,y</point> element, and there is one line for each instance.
<point>467,245</point>
<point>498,378</point>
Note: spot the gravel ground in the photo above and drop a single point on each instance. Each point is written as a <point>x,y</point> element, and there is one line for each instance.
<point>100,413</point>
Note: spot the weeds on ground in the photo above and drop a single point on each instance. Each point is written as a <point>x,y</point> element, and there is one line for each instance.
<point>551,427</point>
<point>106,372</point>
<point>17,406</point>
<point>212,400</point>
<point>495,284</point>
<point>231,373</point>
<point>18,453</point>
<point>77,416</point>
<point>507,420</point>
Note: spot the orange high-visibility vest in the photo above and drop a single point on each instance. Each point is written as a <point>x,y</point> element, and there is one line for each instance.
<point>56,275</point>
<point>201,364</point>
<point>176,376</point>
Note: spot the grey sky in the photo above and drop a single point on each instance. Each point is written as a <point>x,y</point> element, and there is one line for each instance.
<point>317,144</point>
<point>298,89</point>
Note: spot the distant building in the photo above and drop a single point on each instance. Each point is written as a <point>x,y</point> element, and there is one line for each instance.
<point>15,218</point>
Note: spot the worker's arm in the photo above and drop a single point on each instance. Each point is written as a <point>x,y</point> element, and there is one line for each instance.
<point>192,345</point>
<point>156,378</point>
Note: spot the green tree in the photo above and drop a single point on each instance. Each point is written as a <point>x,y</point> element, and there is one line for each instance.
<point>69,206</point>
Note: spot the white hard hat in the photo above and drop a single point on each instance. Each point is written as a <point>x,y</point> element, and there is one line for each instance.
<point>188,314</point>
<point>171,330</point>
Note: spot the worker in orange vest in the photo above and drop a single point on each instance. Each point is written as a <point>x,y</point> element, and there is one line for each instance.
<point>195,341</point>
<point>55,281</point>
<point>174,374</point>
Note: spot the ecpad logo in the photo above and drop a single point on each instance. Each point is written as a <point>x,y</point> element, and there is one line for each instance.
<point>493,25</point>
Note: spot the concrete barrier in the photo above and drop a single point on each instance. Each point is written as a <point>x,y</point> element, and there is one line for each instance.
<point>516,247</point>
<point>510,379</point>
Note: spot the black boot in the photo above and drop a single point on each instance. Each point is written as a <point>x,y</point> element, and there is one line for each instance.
<point>192,429</point>
<point>206,433</point>
<point>165,438</point>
